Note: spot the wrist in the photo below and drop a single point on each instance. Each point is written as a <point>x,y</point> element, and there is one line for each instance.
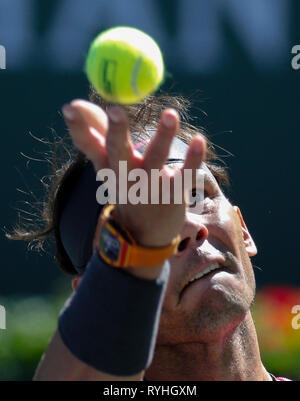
<point>142,234</point>
<point>146,273</point>
<point>108,295</point>
<point>120,249</point>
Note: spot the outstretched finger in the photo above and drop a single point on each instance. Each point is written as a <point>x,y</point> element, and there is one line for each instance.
<point>93,114</point>
<point>85,138</point>
<point>196,153</point>
<point>118,144</point>
<point>158,149</point>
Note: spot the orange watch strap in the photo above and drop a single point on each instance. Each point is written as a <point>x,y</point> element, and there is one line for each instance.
<point>143,256</point>
<point>134,255</point>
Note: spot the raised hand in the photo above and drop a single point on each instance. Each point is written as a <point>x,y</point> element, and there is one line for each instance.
<point>105,139</point>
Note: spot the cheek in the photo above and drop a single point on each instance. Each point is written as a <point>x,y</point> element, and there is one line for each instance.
<point>248,269</point>
<point>224,229</point>
<point>229,231</point>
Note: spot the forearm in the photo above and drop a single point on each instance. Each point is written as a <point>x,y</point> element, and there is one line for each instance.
<point>59,364</point>
<point>127,313</point>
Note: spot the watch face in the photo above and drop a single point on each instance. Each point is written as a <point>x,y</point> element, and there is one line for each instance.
<point>109,244</point>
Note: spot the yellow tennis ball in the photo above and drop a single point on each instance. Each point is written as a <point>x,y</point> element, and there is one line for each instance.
<point>124,65</point>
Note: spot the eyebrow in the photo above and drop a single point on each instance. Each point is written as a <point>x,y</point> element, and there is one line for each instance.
<point>203,167</point>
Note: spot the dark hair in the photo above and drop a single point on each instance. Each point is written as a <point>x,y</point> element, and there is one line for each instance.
<point>67,168</point>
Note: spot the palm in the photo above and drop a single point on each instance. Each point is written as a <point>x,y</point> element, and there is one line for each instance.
<point>106,142</point>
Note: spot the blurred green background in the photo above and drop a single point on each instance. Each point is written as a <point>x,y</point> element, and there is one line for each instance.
<point>232,58</point>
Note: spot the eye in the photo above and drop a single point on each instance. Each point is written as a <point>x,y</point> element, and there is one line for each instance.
<point>204,201</point>
<point>196,196</point>
<point>203,198</point>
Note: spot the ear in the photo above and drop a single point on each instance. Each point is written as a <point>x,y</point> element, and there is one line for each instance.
<point>248,241</point>
<point>75,282</point>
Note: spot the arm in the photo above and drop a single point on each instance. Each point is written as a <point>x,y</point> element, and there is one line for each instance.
<point>151,225</point>
<point>58,363</point>
<point>96,321</point>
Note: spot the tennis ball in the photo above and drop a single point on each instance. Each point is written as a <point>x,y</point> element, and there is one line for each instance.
<point>124,65</point>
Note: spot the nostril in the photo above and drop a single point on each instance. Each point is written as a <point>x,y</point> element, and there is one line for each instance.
<point>183,244</point>
<point>200,234</point>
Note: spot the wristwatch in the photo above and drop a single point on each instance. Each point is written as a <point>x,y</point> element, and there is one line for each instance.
<point>118,248</point>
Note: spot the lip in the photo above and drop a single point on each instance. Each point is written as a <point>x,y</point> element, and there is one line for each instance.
<point>200,268</point>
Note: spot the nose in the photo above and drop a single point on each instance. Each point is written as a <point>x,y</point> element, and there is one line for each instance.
<point>193,233</point>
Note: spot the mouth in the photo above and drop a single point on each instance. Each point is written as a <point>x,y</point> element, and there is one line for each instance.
<point>207,270</point>
<point>205,273</point>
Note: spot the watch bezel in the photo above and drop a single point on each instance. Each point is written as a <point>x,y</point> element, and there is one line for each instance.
<point>121,259</point>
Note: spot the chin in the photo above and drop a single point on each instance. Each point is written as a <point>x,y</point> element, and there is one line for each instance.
<point>221,309</point>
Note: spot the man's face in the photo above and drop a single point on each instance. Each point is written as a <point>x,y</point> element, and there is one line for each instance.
<point>208,306</point>
<point>202,309</point>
